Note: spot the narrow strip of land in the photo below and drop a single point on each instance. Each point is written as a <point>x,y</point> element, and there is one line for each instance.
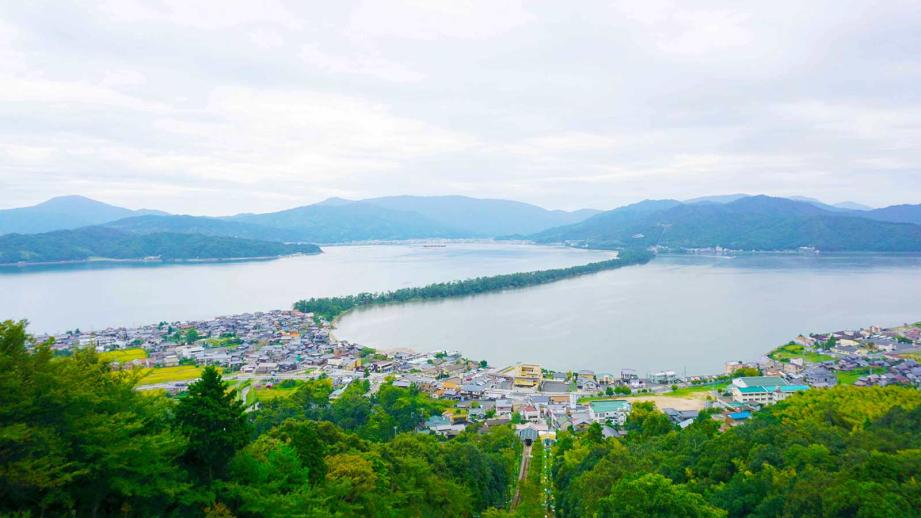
<point>330,308</point>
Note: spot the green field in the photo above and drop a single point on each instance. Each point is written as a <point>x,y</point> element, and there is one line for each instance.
<point>167,374</point>
<point>849,377</point>
<point>123,355</point>
<point>788,352</point>
<point>694,389</point>
<point>267,394</point>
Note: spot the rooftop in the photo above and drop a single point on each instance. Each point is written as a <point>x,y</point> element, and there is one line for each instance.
<point>610,405</point>
<point>749,381</point>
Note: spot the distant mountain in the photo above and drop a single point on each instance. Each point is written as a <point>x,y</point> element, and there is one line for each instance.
<point>834,207</point>
<point>852,205</point>
<point>719,198</point>
<point>751,223</point>
<point>897,214</point>
<point>481,217</point>
<point>206,226</point>
<point>350,221</point>
<point>101,242</point>
<point>64,212</point>
<point>338,220</point>
<point>596,228</point>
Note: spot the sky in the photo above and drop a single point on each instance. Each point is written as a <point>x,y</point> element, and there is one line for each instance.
<point>230,106</point>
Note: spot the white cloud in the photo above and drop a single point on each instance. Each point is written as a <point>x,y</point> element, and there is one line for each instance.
<point>563,105</point>
<point>677,29</point>
<point>266,38</point>
<point>429,20</point>
<point>360,65</point>
<point>200,15</point>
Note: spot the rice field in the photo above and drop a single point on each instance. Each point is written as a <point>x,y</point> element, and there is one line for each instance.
<point>167,374</point>
<point>123,355</point>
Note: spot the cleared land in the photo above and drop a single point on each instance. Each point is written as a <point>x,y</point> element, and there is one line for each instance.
<point>693,401</point>
<point>788,352</point>
<point>688,398</point>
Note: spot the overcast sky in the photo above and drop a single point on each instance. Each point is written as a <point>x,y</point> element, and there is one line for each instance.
<point>223,107</point>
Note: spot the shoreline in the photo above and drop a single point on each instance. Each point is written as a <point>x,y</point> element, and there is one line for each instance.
<point>110,260</point>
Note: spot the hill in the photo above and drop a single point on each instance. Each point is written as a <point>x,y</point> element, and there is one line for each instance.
<point>843,451</point>
<point>897,213</point>
<point>751,223</point>
<point>101,242</point>
<point>206,226</point>
<point>64,212</point>
<point>345,222</point>
<point>481,217</point>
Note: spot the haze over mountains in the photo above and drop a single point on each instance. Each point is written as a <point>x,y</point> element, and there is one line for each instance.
<point>746,223</point>
<point>736,221</point>
<point>332,221</point>
<point>62,213</point>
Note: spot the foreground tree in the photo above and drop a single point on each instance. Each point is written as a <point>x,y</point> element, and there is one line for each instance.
<point>76,438</point>
<point>655,496</point>
<point>213,420</point>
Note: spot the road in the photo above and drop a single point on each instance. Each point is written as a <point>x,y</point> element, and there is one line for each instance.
<point>522,473</point>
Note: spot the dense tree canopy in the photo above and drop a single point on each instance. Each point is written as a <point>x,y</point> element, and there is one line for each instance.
<point>76,438</point>
<point>847,451</point>
<point>101,242</point>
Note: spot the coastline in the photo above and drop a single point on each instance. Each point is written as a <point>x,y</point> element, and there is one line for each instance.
<point>110,260</point>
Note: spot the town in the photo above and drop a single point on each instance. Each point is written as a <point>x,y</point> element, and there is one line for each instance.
<point>266,354</point>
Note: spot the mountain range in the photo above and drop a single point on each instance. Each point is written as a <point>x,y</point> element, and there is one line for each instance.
<point>62,213</point>
<point>737,221</point>
<point>334,220</point>
<point>745,223</point>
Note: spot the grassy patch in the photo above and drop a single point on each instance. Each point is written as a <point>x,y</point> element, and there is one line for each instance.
<point>167,374</point>
<point>123,355</point>
<point>788,352</point>
<point>695,389</point>
<point>849,377</point>
<point>277,391</point>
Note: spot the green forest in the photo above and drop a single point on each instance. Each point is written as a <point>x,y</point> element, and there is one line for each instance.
<point>329,308</point>
<point>101,242</point>
<point>846,451</point>
<point>77,439</point>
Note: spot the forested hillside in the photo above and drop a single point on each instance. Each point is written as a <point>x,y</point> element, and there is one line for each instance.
<point>847,451</point>
<point>750,223</point>
<point>101,242</point>
<point>76,439</point>
<point>205,226</point>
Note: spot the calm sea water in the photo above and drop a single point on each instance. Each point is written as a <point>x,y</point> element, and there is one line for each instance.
<point>678,312</point>
<point>684,313</point>
<point>94,296</point>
